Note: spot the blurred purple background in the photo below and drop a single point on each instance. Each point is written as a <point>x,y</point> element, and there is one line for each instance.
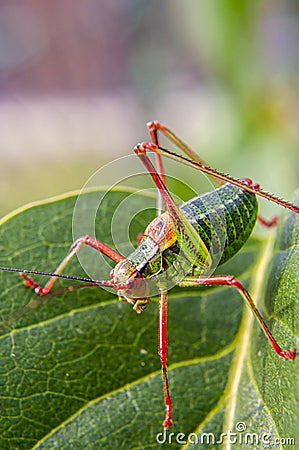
<point>79,80</point>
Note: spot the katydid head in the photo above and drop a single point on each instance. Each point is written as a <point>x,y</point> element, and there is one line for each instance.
<point>135,287</point>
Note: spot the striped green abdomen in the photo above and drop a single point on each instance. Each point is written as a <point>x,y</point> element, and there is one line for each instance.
<point>224,219</point>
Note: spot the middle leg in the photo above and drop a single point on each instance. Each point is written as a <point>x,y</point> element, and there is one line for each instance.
<point>230,280</point>
<point>162,352</point>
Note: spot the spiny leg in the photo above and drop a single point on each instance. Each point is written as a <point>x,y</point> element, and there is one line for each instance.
<point>264,222</point>
<point>162,351</point>
<point>156,126</point>
<point>84,240</point>
<point>230,280</point>
<point>198,164</point>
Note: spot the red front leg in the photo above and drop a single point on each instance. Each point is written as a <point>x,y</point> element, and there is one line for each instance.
<point>85,240</point>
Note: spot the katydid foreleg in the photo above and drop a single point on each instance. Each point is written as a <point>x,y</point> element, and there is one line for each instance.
<point>84,240</point>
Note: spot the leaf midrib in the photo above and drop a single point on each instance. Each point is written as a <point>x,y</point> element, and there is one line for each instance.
<point>256,290</point>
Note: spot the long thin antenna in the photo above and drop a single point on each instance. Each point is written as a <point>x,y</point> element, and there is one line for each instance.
<point>58,275</point>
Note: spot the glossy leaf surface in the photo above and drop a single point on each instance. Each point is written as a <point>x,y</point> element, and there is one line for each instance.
<point>82,370</point>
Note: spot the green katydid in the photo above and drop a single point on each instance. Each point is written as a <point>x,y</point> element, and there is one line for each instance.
<point>180,246</point>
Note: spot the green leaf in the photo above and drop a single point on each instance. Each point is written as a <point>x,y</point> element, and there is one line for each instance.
<point>82,370</point>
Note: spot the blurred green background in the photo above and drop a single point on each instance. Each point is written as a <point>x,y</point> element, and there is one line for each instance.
<point>79,80</point>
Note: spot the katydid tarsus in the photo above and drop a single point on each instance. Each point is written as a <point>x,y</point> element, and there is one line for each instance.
<point>180,246</point>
